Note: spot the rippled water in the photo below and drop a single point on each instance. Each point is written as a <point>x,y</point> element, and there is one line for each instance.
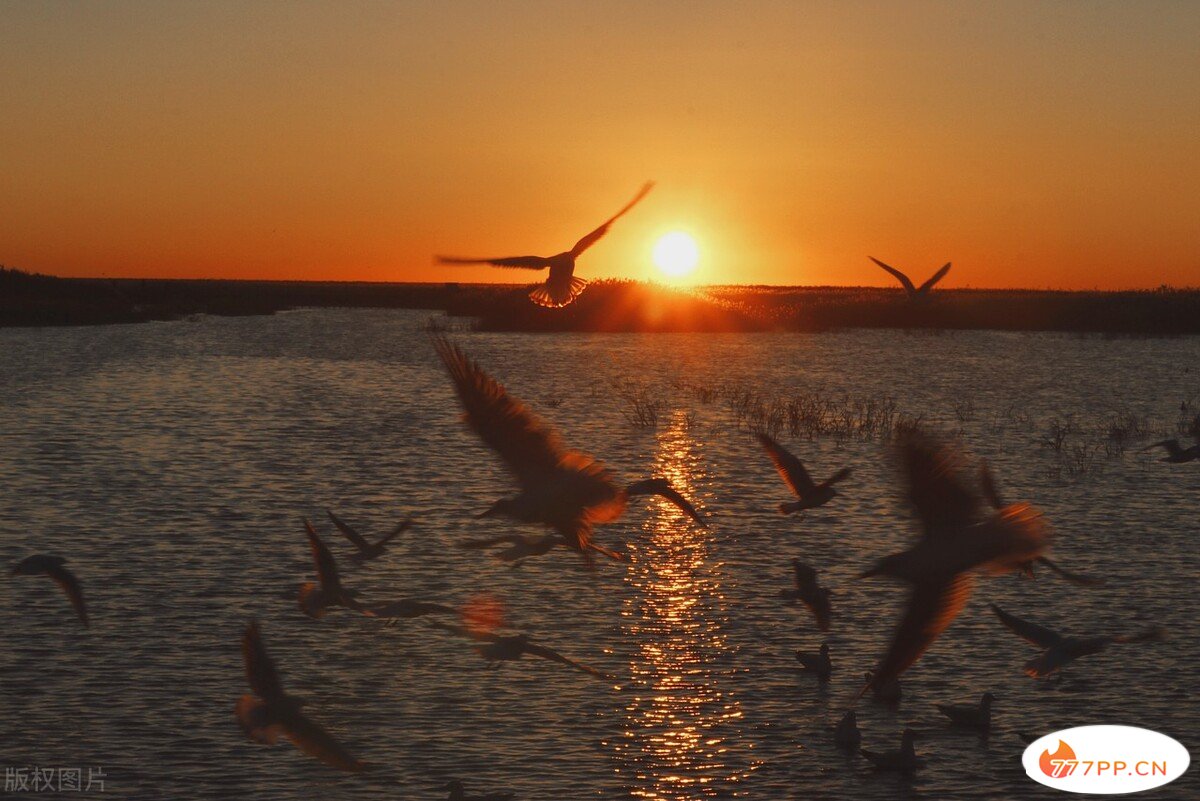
<point>172,463</point>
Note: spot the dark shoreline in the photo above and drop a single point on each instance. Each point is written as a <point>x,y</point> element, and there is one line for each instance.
<point>607,306</point>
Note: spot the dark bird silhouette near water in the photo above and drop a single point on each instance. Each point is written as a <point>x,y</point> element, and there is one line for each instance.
<point>52,567</point>
<point>562,286</point>
<point>316,599</point>
<point>1059,650</point>
<point>458,792</point>
<point>367,550</point>
<point>916,294</point>
<point>992,493</point>
<point>956,542</point>
<point>811,594</point>
<point>819,664</point>
<point>846,734</point>
<point>791,469</point>
<point>888,692</point>
<point>562,489</point>
<point>496,648</point>
<point>521,546</point>
<point>974,716</point>
<point>903,761</point>
<point>268,712</point>
<point>407,609</point>
<point>1176,453</point>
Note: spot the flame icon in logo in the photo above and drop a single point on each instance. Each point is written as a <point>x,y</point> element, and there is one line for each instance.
<point>1056,765</point>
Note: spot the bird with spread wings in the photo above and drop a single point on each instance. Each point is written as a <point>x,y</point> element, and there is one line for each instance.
<point>562,489</point>
<point>562,286</point>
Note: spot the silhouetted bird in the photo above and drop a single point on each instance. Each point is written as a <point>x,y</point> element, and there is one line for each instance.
<point>956,542</point>
<point>846,734</point>
<point>407,609</point>
<point>815,597</point>
<point>314,599</point>
<point>269,712</point>
<point>818,664</point>
<point>1059,650</point>
<point>974,716</point>
<point>563,489</point>
<point>52,567</point>
<point>904,761</point>
<point>561,287</point>
<point>792,471</point>
<point>367,550</point>
<point>992,494</point>
<point>459,793</point>
<point>497,648</point>
<point>916,294</point>
<point>1176,454</point>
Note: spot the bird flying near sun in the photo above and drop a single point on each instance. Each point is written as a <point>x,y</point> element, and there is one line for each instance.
<point>676,254</point>
<point>561,287</point>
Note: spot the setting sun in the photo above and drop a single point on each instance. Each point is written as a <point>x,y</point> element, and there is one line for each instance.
<point>676,254</point>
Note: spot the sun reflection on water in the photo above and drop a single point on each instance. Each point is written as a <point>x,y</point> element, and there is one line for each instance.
<point>681,727</point>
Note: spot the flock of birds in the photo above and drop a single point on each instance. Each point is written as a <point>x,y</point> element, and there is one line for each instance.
<point>966,531</point>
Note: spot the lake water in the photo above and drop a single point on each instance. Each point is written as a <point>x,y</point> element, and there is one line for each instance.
<point>172,463</point>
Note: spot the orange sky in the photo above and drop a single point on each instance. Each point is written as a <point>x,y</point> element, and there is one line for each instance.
<point>1034,145</point>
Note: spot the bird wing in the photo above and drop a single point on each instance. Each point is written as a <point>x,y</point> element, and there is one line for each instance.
<point>529,447</point>
<point>464,631</point>
<point>522,262</point>
<point>260,668</point>
<point>899,276</point>
<point>1074,578</point>
<point>554,656</point>
<point>987,482</point>
<point>70,585</point>
<point>932,606</point>
<point>359,541</point>
<point>590,239</point>
<point>1031,632</point>
<point>404,526</point>
<point>662,488</point>
<point>1152,634</point>
<point>1172,446</point>
<point>945,504</point>
<point>790,468</point>
<point>806,577</point>
<point>323,559</point>
<point>838,477</point>
<point>938,276</point>
<point>313,740</point>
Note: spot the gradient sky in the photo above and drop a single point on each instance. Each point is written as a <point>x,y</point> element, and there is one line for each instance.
<point>1032,144</point>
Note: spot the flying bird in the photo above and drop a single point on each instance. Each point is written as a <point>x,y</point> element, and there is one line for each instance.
<point>268,712</point>
<point>991,492</point>
<point>521,546</point>
<point>916,294</point>
<point>904,761</point>
<point>316,600</point>
<point>974,716</point>
<point>818,664</point>
<point>458,792</point>
<point>791,469</point>
<point>815,597</point>
<point>367,550</point>
<point>564,490</point>
<point>1058,650</point>
<point>52,567</point>
<point>407,609</point>
<point>562,286</point>
<point>1176,454</point>
<point>496,648</point>
<point>957,541</point>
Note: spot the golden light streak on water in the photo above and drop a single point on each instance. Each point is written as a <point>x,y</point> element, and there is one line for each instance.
<point>681,724</point>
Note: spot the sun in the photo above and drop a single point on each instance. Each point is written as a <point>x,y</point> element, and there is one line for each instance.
<point>676,254</point>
